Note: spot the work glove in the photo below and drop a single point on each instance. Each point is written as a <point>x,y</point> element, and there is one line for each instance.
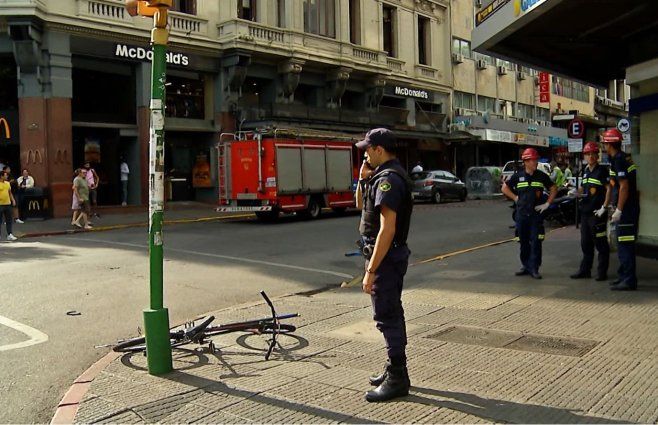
<point>543,207</point>
<point>616,215</point>
<point>573,192</point>
<point>600,212</point>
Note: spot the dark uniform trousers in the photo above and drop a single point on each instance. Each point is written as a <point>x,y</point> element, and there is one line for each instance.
<point>530,230</point>
<point>387,302</point>
<point>593,234</point>
<point>626,238</point>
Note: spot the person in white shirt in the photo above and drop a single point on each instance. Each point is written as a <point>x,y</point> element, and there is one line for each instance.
<point>125,173</point>
<point>418,168</point>
<point>24,182</point>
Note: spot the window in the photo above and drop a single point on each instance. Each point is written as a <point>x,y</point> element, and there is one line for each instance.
<point>525,111</point>
<point>464,100</point>
<point>543,114</point>
<point>184,6</point>
<point>486,104</point>
<point>507,64</point>
<point>461,47</point>
<point>320,17</point>
<point>388,29</point>
<point>570,89</point>
<point>247,10</point>
<point>8,86</point>
<point>281,13</point>
<point>185,98</point>
<point>355,21</point>
<point>424,52</point>
<point>488,59</point>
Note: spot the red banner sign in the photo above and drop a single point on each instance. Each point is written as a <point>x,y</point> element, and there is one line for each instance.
<point>544,88</point>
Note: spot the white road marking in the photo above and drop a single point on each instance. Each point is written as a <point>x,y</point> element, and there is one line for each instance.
<point>223,257</point>
<point>36,336</point>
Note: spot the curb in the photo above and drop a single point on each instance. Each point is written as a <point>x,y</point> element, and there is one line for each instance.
<point>68,406</point>
<point>131,225</point>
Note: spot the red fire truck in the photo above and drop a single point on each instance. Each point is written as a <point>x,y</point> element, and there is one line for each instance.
<point>286,170</point>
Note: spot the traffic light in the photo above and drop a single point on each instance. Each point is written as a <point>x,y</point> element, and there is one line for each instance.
<point>146,7</point>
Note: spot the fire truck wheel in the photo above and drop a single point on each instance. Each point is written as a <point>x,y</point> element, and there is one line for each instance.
<point>314,209</point>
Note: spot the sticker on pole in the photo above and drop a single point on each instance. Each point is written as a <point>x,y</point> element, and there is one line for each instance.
<point>157,120</point>
<point>575,145</point>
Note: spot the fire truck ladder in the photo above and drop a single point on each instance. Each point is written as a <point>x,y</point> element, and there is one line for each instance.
<point>223,150</point>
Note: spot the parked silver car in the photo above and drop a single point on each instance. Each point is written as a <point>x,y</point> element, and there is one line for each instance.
<point>437,185</point>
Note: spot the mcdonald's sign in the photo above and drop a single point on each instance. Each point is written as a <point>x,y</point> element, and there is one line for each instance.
<point>4,128</point>
<point>34,205</point>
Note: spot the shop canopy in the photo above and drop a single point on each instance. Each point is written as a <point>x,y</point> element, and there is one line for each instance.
<point>593,41</point>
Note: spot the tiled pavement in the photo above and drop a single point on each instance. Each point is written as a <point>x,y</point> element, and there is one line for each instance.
<point>472,376</point>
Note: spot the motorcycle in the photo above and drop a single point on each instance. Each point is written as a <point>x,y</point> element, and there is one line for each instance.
<point>563,209</point>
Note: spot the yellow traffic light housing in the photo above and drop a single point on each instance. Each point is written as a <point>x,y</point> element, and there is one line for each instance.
<point>146,7</point>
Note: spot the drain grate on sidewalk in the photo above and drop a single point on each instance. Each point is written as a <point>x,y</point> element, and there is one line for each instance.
<point>547,344</point>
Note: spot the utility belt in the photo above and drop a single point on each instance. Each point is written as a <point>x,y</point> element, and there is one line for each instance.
<point>367,246</point>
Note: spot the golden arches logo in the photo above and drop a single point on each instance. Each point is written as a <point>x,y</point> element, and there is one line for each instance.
<point>34,206</point>
<point>517,7</point>
<point>4,124</point>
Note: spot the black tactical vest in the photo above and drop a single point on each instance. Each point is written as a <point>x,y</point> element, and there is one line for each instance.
<point>370,220</point>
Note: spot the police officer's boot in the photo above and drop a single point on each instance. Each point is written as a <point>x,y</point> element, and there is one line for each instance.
<point>376,380</point>
<point>396,384</point>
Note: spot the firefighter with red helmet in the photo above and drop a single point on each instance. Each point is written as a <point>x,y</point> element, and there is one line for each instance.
<point>595,197</point>
<point>526,188</point>
<point>623,174</point>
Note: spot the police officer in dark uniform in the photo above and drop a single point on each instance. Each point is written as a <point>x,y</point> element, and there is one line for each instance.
<point>384,195</point>
<point>595,197</point>
<point>623,174</point>
<point>526,187</point>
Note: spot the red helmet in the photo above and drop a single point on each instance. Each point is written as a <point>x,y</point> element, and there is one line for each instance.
<point>612,136</point>
<point>530,153</point>
<point>591,147</point>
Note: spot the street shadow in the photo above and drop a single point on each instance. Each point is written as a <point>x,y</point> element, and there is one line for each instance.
<point>502,410</point>
<point>22,251</point>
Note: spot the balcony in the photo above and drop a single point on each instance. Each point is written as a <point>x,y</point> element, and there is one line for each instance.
<point>187,24</point>
<point>105,10</point>
<point>281,41</point>
<point>396,65</point>
<point>426,72</point>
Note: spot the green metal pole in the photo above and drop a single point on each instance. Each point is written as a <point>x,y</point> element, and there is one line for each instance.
<point>156,319</point>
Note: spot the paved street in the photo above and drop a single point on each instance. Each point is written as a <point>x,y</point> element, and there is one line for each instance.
<point>209,266</point>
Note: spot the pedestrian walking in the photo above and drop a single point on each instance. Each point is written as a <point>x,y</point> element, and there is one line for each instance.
<point>125,174</point>
<point>81,191</point>
<point>384,196</point>
<point>7,202</point>
<point>14,190</point>
<point>623,174</point>
<point>418,168</point>
<point>526,188</point>
<point>24,182</point>
<point>92,182</point>
<point>75,205</point>
<point>595,197</point>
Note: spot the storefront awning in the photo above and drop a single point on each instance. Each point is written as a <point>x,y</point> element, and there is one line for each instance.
<point>590,40</point>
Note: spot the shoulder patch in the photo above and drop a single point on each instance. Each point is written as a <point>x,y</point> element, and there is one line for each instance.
<point>385,187</point>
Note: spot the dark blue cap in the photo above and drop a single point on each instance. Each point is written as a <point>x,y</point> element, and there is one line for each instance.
<point>378,137</point>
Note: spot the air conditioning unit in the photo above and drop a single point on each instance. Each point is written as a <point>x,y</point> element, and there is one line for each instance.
<point>536,80</point>
<point>460,112</point>
<point>502,70</point>
<point>460,126</point>
<point>457,58</point>
<point>482,64</point>
<point>520,75</point>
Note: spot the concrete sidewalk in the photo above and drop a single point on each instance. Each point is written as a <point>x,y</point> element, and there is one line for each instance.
<point>118,218</point>
<point>484,346</point>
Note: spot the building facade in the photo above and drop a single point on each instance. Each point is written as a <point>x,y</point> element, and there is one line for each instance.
<point>75,82</point>
<point>507,106</point>
<point>600,42</point>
